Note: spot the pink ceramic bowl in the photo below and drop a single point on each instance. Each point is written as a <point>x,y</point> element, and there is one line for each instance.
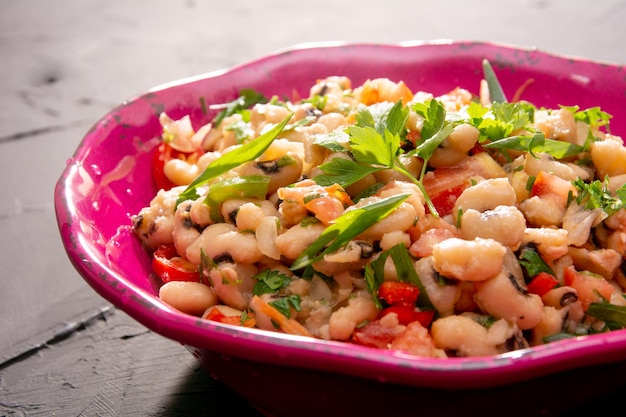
<point>107,180</point>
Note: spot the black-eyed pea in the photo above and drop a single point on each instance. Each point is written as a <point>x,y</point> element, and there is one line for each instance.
<point>233,283</point>
<point>464,335</point>
<point>200,213</point>
<point>551,242</point>
<point>297,239</point>
<point>505,224</point>
<point>534,164</point>
<point>180,172</point>
<point>344,320</point>
<point>443,297</point>
<point>486,195</point>
<point>551,323</point>
<point>416,197</point>
<point>154,224</point>
<point>184,231</point>
<point>224,240</point>
<point>394,238</point>
<point>266,234</point>
<point>188,296</point>
<point>463,138</point>
<point>351,252</point>
<point>282,171</point>
<point>206,159</point>
<point>501,297</point>
<point>541,212</point>
<point>608,156</point>
<point>446,157</point>
<point>403,218</point>
<point>558,124</point>
<point>468,260</point>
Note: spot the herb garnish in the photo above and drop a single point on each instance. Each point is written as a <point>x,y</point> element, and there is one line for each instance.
<point>403,262</point>
<point>233,159</point>
<point>346,227</point>
<point>247,98</point>
<point>270,281</point>
<point>597,195</point>
<point>374,143</point>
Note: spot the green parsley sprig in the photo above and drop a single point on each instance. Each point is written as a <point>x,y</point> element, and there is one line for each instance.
<point>346,227</point>
<point>233,159</point>
<point>374,143</point>
<point>596,194</point>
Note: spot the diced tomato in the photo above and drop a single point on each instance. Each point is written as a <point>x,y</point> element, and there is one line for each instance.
<point>444,201</point>
<point>374,334</point>
<point>413,136</point>
<point>425,318</point>
<point>407,314</point>
<point>398,293</point>
<point>547,185</point>
<point>216,315</point>
<point>164,153</point>
<point>477,148</point>
<point>542,283</point>
<point>590,288</point>
<point>161,155</point>
<point>169,266</point>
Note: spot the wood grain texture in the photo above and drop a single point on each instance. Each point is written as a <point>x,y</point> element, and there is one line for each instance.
<point>65,64</point>
<point>114,367</point>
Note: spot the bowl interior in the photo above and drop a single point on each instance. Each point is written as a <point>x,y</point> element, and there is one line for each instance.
<point>108,179</point>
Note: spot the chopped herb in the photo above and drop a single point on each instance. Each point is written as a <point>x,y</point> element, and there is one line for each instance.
<point>532,262</point>
<point>284,304</point>
<point>332,141</point>
<point>597,195</point>
<point>344,172</point>
<point>375,271</point>
<point>613,315</point>
<point>270,281</point>
<point>346,227</point>
<point>247,98</point>
<point>233,159</point>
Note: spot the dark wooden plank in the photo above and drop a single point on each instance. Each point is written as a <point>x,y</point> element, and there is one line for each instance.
<point>113,366</point>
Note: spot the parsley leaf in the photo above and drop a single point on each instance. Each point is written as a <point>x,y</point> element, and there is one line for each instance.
<point>247,98</point>
<point>332,141</point>
<point>233,159</point>
<point>344,172</point>
<point>346,227</point>
<point>593,116</point>
<point>533,263</point>
<point>284,304</point>
<point>270,281</point>
<point>597,195</point>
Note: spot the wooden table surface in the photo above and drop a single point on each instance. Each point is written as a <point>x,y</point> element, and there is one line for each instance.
<point>64,350</point>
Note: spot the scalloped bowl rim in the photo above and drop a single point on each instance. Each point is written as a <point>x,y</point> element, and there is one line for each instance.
<point>329,356</point>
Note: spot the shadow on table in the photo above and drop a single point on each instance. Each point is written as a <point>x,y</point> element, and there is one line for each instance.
<point>201,395</point>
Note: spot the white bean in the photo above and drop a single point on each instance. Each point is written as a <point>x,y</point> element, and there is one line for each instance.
<point>223,239</point>
<point>465,260</point>
<point>343,321</point>
<point>486,195</point>
<point>188,296</point>
<point>504,224</point>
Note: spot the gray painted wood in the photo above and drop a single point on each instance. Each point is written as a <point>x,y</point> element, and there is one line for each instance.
<point>65,64</point>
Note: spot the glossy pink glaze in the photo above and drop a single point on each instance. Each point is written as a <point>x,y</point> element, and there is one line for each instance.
<point>108,179</point>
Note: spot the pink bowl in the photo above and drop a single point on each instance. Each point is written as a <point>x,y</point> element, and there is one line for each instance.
<point>107,179</point>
